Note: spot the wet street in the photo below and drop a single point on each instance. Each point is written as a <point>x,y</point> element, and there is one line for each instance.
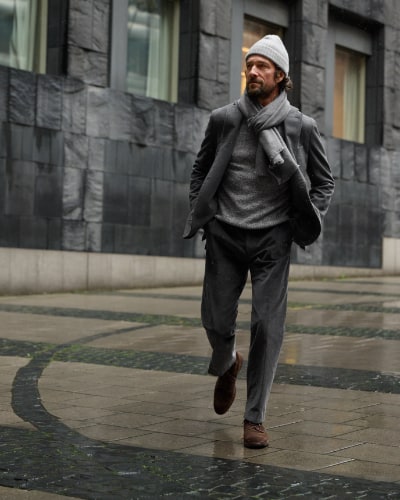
<point>106,396</point>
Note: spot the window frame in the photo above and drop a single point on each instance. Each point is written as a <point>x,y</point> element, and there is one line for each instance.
<point>42,42</point>
<point>345,36</point>
<point>39,38</point>
<point>119,51</point>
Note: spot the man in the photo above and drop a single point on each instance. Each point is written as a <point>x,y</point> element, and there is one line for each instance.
<point>248,191</point>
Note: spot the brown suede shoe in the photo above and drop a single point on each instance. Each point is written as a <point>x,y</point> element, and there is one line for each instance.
<point>225,387</point>
<point>254,435</point>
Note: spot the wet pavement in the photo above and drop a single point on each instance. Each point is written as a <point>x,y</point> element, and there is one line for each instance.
<point>105,396</point>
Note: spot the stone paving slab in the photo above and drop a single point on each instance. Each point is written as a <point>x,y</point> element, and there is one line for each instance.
<point>15,494</point>
<point>372,353</point>
<point>115,303</point>
<point>59,330</point>
<point>360,319</point>
<point>110,397</point>
<point>8,369</point>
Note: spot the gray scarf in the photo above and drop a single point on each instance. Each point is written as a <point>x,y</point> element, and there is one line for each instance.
<point>264,121</point>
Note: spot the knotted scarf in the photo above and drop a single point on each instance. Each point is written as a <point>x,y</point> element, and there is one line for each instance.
<point>264,120</point>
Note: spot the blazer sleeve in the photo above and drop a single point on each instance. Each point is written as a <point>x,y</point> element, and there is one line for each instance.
<point>204,160</point>
<point>318,169</point>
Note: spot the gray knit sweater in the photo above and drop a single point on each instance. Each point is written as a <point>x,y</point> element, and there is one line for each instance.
<point>248,200</point>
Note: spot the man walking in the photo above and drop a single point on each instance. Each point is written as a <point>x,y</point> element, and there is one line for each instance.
<point>249,192</point>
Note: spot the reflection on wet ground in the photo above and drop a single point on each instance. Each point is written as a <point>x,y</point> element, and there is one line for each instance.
<point>105,395</point>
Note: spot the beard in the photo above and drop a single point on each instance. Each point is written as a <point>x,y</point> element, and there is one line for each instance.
<point>262,91</point>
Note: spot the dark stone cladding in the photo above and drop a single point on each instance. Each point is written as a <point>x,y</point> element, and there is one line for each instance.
<point>92,169</point>
<point>89,168</point>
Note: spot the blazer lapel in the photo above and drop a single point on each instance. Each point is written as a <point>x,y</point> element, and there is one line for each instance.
<point>230,131</point>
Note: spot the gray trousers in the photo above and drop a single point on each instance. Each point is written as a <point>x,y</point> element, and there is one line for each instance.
<point>231,253</point>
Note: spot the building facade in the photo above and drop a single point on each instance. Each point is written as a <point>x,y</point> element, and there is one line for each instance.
<point>103,106</point>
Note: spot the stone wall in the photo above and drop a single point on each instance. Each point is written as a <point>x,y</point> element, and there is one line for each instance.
<point>87,168</point>
<point>84,167</point>
<point>365,206</point>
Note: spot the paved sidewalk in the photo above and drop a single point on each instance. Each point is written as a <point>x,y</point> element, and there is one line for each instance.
<point>105,396</point>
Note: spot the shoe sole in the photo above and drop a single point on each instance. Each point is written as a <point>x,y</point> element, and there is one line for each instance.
<point>255,446</point>
<point>239,361</point>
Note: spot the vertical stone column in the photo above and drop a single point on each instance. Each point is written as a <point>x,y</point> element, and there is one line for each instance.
<point>214,53</point>
<point>86,115</point>
<point>88,40</point>
<point>310,48</point>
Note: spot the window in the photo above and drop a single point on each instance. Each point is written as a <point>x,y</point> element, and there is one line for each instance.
<point>253,30</point>
<point>145,47</point>
<point>349,95</point>
<point>23,34</point>
<point>349,51</point>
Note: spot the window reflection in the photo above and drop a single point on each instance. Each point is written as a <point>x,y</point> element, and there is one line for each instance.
<point>153,48</point>
<point>23,34</point>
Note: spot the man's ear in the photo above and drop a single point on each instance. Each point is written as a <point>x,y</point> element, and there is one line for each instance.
<point>279,75</point>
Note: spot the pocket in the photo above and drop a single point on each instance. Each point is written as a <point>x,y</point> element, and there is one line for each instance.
<point>283,239</point>
<point>206,228</point>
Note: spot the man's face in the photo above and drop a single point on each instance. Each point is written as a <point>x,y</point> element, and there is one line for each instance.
<point>261,78</point>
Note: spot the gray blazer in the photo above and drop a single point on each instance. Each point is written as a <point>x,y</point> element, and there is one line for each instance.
<point>311,187</point>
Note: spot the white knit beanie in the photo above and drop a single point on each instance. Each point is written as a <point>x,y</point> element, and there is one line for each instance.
<point>271,46</point>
